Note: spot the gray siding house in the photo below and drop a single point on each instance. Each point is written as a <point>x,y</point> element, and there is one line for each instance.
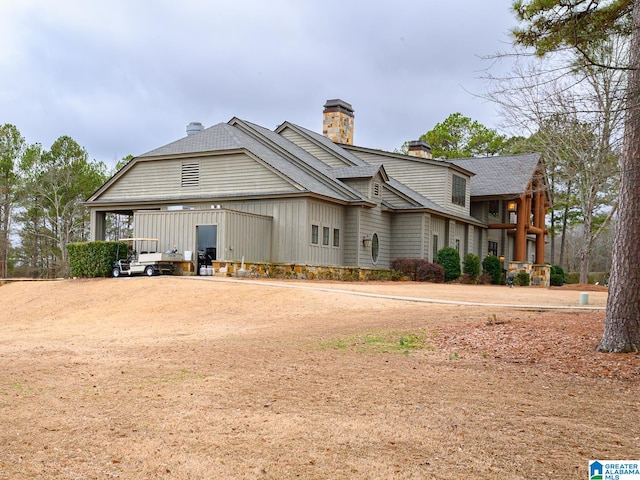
<point>238,191</point>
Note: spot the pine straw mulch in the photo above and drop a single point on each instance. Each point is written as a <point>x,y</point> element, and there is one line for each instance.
<point>557,341</point>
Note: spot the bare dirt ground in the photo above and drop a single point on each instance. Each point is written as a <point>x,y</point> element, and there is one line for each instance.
<point>196,378</point>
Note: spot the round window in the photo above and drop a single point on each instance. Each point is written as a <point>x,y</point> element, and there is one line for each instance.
<point>375,248</point>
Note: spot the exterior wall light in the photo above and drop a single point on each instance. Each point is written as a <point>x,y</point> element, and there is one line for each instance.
<point>511,206</point>
<point>366,241</point>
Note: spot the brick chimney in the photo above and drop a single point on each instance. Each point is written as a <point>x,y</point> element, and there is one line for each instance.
<point>419,149</point>
<point>337,121</point>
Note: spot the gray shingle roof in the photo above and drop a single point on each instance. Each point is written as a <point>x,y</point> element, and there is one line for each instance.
<point>506,175</point>
<point>217,137</point>
<point>224,136</point>
<point>360,171</point>
<point>330,145</point>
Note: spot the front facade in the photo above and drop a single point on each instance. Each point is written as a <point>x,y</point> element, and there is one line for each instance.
<point>237,191</point>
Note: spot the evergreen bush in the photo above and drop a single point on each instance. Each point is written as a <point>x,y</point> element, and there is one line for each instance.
<point>491,266</point>
<point>94,259</point>
<point>471,265</point>
<point>557,278</point>
<point>523,279</point>
<point>572,277</point>
<point>449,258</point>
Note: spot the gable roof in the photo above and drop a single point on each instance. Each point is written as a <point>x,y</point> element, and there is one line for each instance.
<point>292,162</point>
<point>500,176</point>
<point>405,157</point>
<point>328,145</point>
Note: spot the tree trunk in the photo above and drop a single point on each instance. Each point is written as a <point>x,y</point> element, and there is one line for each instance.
<point>552,239</point>
<point>563,240</point>
<point>622,322</point>
<point>586,246</point>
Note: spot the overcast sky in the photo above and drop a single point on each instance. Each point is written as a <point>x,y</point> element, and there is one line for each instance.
<point>126,76</point>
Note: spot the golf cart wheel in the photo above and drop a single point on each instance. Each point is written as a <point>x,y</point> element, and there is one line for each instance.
<point>149,272</point>
<point>115,272</point>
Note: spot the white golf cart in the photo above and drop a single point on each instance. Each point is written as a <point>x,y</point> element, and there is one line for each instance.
<point>143,258</point>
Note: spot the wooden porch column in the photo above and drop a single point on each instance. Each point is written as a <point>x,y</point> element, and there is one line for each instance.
<point>538,222</point>
<point>521,230</point>
<point>97,229</point>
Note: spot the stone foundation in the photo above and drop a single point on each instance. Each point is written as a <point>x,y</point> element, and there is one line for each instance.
<point>291,271</point>
<point>540,274</point>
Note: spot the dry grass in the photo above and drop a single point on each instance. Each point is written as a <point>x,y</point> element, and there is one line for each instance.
<point>184,379</point>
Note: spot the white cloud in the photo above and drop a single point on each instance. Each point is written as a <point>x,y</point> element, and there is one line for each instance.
<point>124,77</point>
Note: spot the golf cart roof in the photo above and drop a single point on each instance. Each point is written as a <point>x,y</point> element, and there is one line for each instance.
<point>138,239</point>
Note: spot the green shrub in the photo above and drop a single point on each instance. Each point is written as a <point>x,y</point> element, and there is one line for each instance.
<point>572,277</point>
<point>449,258</point>
<point>471,265</point>
<point>94,259</point>
<point>491,265</point>
<point>557,278</point>
<point>523,279</point>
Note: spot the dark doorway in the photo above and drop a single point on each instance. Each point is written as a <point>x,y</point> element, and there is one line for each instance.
<point>207,236</point>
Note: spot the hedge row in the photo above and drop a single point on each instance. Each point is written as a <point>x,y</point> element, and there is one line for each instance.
<point>94,259</point>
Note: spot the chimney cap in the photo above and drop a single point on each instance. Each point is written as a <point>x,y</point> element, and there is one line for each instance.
<point>419,145</point>
<point>336,104</point>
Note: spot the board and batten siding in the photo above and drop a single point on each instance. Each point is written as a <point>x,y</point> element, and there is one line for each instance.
<point>410,235</point>
<point>352,237</point>
<point>375,221</point>
<point>291,230</point>
<point>324,215</point>
<point>215,175</point>
<point>480,242</point>
<point>287,242</point>
<point>461,236</point>
<point>239,234</point>
<point>320,153</point>
<point>480,210</point>
<point>427,179</point>
<point>438,229</point>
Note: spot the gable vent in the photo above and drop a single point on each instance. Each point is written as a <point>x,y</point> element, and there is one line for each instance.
<point>376,189</point>
<point>190,175</point>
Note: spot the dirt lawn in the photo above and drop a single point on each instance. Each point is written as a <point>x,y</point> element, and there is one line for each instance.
<point>198,378</point>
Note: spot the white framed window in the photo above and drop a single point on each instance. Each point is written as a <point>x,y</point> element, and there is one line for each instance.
<point>336,237</point>
<point>314,234</point>
<point>325,236</point>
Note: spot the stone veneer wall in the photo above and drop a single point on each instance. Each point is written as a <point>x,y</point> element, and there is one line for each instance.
<point>287,270</point>
<point>337,122</point>
<point>540,274</point>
